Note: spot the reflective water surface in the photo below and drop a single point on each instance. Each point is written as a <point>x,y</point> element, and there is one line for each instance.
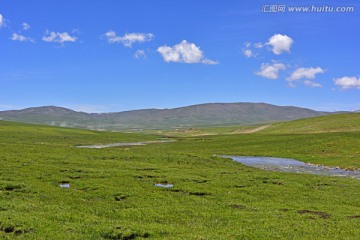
<point>292,165</point>
<point>123,144</point>
<point>64,185</point>
<point>164,185</point>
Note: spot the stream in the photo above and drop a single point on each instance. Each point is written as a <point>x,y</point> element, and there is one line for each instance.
<point>292,165</point>
<point>123,144</point>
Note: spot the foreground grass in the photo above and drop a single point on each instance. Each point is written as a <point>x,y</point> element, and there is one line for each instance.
<point>112,194</point>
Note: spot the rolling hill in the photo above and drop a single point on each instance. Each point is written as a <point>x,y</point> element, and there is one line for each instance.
<point>344,122</point>
<point>190,116</point>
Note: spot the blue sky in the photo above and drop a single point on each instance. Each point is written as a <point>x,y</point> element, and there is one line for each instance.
<point>102,56</point>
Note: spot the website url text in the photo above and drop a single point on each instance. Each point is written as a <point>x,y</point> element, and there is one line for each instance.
<point>306,9</point>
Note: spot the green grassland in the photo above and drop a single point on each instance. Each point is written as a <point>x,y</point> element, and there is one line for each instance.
<point>204,131</point>
<point>347,122</point>
<point>112,193</point>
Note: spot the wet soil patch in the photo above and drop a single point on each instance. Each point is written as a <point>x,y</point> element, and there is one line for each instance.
<point>199,193</point>
<point>11,187</point>
<point>120,197</point>
<point>9,229</point>
<point>74,177</point>
<point>150,176</point>
<point>277,183</point>
<point>124,234</point>
<point>12,229</point>
<point>317,213</point>
<point>200,181</point>
<point>237,206</point>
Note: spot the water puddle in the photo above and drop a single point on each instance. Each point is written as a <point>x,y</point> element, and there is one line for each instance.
<point>64,185</point>
<point>124,144</point>
<point>292,165</point>
<point>164,185</point>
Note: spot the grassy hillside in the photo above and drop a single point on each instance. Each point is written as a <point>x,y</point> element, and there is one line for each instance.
<point>206,131</point>
<point>112,193</point>
<point>348,122</point>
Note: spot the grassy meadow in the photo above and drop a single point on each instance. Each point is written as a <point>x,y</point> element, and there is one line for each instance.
<point>112,193</point>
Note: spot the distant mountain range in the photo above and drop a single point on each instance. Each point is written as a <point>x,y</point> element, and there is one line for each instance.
<point>190,116</point>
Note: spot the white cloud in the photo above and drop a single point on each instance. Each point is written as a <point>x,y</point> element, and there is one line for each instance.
<point>247,51</point>
<point>280,43</point>
<point>2,21</point>
<point>312,83</point>
<point>208,61</point>
<point>25,26</point>
<point>348,82</point>
<point>270,71</point>
<point>184,52</point>
<point>58,37</point>
<point>307,73</point>
<point>140,54</point>
<point>21,38</point>
<point>129,38</point>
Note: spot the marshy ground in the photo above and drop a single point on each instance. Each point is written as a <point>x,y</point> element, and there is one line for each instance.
<point>112,192</point>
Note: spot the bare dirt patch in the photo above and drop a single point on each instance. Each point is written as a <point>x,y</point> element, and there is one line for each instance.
<point>252,130</point>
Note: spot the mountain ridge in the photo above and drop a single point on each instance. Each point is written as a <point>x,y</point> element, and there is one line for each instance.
<point>205,114</point>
